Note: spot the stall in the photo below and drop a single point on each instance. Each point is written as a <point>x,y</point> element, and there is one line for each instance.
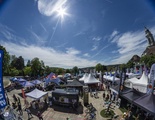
<point>65,97</point>
<point>39,98</point>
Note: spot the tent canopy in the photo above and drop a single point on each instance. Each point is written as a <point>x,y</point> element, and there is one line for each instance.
<point>132,95</point>
<point>91,80</point>
<point>147,103</point>
<point>36,82</point>
<point>27,84</point>
<point>75,83</point>
<point>142,81</point>
<point>84,77</point>
<point>36,94</point>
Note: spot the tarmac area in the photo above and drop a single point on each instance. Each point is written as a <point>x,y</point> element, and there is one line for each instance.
<point>61,112</point>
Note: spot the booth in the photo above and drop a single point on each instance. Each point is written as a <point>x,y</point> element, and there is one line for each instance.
<point>65,97</point>
<point>39,98</point>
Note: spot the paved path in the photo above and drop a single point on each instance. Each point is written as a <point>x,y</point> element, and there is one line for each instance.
<point>61,113</point>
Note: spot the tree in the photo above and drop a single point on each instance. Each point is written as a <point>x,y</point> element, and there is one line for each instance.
<point>27,71</point>
<point>148,60</point>
<point>122,67</point>
<point>35,66</point>
<point>75,70</point>
<point>99,67</point>
<point>6,61</point>
<point>130,64</point>
<point>47,70</point>
<point>68,71</point>
<point>28,63</point>
<point>14,72</point>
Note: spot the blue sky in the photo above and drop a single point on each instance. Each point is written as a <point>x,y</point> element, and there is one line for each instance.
<point>89,32</point>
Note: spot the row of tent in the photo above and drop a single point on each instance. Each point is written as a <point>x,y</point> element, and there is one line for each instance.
<point>50,78</point>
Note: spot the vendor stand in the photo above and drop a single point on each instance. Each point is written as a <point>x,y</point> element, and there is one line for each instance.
<point>65,97</point>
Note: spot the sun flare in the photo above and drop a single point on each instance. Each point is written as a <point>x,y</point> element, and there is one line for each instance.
<point>62,12</point>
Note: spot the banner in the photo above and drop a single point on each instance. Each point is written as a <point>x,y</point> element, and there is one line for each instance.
<point>152,78</point>
<point>2,92</point>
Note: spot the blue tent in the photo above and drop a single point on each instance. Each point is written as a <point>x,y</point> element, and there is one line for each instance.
<point>21,80</point>
<point>13,79</point>
<point>36,82</point>
<point>51,76</point>
<point>55,80</point>
<point>27,84</point>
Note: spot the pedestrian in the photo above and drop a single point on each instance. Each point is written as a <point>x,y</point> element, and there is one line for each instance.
<point>103,95</point>
<point>39,115</point>
<point>29,113</point>
<point>20,109</point>
<point>18,100</point>
<point>14,98</point>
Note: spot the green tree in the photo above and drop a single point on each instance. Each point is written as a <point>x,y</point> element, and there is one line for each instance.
<point>35,66</point>
<point>14,72</point>
<point>75,70</point>
<point>99,67</point>
<point>28,63</point>
<point>148,60</point>
<point>47,70</point>
<point>68,71</point>
<point>6,61</point>
<point>130,64</point>
<point>122,67</point>
<point>27,71</point>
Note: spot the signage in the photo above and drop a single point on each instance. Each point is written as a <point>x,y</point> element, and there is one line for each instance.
<point>151,81</point>
<point>2,93</point>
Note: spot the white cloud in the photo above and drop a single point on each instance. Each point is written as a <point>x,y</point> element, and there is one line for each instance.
<point>97,38</point>
<point>114,34</point>
<point>94,47</point>
<point>96,41</point>
<point>72,51</point>
<point>86,55</point>
<point>129,44</point>
<point>100,51</point>
<point>49,7</point>
<point>50,56</point>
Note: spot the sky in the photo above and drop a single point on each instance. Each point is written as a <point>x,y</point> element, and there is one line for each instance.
<point>82,33</point>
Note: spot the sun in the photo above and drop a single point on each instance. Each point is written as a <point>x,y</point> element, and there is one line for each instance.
<point>62,12</point>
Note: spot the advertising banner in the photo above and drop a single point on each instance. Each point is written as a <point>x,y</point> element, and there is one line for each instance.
<point>2,92</point>
<point>151,81</point>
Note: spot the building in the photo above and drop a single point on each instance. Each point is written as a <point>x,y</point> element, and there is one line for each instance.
<point>150,49</point>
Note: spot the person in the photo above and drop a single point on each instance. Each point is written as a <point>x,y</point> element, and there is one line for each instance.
<point>14,98</point>
<point>28,113</point>
<point>103,95</point>
<point>20,109</point>
<point>39,115</point>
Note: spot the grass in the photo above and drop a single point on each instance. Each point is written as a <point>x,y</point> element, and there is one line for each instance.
<point>104,114</point>
<point>123,109</point>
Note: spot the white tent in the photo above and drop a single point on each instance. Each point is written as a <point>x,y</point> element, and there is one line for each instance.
<point>141,84</point>
<point>36,94</point>
<point>91,80</point>
<point>110,78</point>
<point>128,82</point>
<point>84,77</point>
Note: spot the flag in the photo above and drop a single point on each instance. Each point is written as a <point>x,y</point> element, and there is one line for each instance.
<point>3,102</point>
<point>152,79</point>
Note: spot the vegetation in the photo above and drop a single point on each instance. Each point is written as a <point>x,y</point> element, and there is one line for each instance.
<point>106,114</point>
<point>13,65</point>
